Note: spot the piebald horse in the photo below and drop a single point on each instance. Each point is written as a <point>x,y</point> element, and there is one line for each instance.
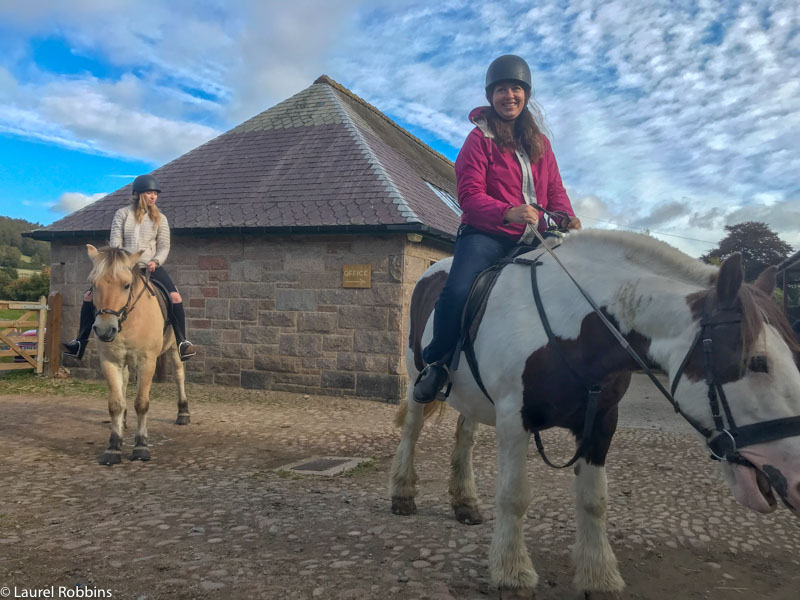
<point>660,300</point>
<point>130,324</point>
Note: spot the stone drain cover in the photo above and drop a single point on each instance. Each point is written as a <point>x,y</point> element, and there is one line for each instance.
<point>323,465</point>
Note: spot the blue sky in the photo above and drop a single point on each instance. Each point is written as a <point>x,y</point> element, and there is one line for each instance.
<point>677,117</point>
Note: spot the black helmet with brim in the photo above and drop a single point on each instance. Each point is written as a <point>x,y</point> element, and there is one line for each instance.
<point>145,183</point>
<point>508,67</point>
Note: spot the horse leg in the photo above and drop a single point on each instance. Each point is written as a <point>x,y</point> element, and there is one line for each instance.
<point>116,406</point>
<point>509,563</point>
<point>126,374</point>
<point>144,378</point>
<point>463,493</point>
<point>180,377</point>
<point>596,567</point>
<point>403,479</point>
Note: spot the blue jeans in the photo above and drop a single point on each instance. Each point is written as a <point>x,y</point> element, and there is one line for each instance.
<point>475,251</point>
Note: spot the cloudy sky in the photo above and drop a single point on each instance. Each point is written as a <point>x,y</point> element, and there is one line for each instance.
<point>676,117</point>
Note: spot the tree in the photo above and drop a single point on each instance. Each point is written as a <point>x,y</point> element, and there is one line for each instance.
<point>759,245</point>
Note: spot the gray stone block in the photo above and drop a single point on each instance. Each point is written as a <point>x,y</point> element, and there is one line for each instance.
<point>276,363</point>
<point>260,335</point>
<point>217,308</point>
<point>338,379</point>
<point>296,300</point>
<point>256,380</point>
<point>317,321</point>
<point>243,310</point>
<point>274,318</point>
<point>378,342</point>
<point>362,317</point>
<point>300,344</point>
<point>385,387</point>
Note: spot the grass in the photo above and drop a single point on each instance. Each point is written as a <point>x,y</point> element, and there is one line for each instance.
<point>25,382</point>
<point>8,314</point>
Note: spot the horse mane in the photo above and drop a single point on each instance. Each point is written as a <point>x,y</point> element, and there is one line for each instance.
<point>110,262</point>
<point>759,308</point>
<point>645,250</point>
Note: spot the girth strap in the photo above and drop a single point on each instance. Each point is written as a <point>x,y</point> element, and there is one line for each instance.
<point>593,391</point>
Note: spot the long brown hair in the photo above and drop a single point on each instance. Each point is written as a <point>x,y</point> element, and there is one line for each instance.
<point>141,207</point>
<point>525,130</point>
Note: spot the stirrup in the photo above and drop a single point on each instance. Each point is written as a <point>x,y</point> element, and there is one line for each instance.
<point>69,349</point>
<point>431,394</point>
<point>187,355</point>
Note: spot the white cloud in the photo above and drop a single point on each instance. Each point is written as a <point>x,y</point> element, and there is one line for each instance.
<point>69,202</point>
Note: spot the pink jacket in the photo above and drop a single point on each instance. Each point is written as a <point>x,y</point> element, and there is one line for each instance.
<point>490,181</point>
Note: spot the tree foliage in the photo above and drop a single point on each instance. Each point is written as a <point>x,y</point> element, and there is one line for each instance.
<point>13,246</point>
<point>759,245</point>
<point>24,288</point>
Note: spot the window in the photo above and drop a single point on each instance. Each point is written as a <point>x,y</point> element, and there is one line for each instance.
<point>446,198</point>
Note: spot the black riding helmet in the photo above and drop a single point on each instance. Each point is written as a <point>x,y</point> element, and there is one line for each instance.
<point>145,183</point>
<point>508,67</point>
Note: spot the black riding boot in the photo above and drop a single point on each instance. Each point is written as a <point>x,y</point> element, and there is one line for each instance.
<point>77,347</point>
<point>430,381</point>
<point>185,347</point>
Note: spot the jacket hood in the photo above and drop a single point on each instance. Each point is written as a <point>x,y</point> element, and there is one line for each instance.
<point>477,117</point>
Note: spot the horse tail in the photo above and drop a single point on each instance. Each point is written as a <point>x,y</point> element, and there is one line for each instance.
<point>430,409</point>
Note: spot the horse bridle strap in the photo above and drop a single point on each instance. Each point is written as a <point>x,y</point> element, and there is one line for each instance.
<point>123,312</point>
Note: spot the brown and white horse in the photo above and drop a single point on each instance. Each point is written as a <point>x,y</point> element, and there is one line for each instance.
<point>131,326</point>
<point>660,299</point>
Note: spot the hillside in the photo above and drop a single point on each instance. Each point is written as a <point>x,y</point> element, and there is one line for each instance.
<point>19,252</point>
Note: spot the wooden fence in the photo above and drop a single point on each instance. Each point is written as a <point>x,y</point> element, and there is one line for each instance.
<point>32,338</point>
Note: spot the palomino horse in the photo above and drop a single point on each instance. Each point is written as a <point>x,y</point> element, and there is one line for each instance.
<point>661,300</point>
<point>130,323</point>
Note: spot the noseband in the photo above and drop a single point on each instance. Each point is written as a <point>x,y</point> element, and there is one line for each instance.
<point>123,312</point>
<point>722,441</point>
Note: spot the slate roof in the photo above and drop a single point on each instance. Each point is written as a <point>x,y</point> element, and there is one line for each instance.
<point>322,160</point>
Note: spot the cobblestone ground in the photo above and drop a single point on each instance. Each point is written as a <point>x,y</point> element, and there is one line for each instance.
<point>209,518</point>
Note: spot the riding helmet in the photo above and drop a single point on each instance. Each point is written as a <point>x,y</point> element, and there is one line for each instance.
<point>145,183</point>
<point>508,67</point>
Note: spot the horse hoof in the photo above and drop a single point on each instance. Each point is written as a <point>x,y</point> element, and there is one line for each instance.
<point>182,420</point>
<point>141,453</point>
<point>469,515</point>
<point>517,594</point>
<point>404,506</point>
<point>110,457</point>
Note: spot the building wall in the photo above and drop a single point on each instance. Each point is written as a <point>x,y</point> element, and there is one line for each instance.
<point>269,312</point>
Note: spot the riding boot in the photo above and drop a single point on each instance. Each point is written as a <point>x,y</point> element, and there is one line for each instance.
<point>77,347</point>
<point>185,348</point>
<point>430,381</point>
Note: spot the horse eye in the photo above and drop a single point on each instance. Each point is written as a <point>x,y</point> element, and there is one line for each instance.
<point>758,364</point>
<point>127,286</point>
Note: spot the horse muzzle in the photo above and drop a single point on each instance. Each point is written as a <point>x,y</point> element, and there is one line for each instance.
<point>107,330</point>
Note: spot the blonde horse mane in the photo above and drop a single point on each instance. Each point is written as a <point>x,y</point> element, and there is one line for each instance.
<point>110,262</point>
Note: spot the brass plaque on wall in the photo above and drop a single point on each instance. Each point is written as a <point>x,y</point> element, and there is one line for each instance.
<point>357,276</point>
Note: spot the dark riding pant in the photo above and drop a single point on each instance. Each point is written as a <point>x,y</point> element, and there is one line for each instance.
<point>161,276</point>
<point>474,251</point>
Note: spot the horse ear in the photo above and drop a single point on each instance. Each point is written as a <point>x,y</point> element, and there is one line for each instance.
<point>134,258</point>
<point>731,276</point>
<point>767,280</point>
<point>92,251</point>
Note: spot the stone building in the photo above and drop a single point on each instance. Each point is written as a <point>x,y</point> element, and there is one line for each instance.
<point>265,220</point>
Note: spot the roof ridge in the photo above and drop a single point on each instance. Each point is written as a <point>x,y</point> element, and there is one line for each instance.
<point>405,210</point>
<point>338,86</point>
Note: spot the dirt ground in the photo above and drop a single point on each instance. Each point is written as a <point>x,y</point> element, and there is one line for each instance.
<point>208,517</point>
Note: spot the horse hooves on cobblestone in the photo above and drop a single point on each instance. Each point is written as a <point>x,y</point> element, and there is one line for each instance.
<point>404,506</point>
<point>517,594</point>
<point>469,515</point>
<point>141,454</point>
<point>182,420</point>
<point>110,458</point>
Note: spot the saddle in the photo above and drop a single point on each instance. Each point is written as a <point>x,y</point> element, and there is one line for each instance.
<point>475,307</point>
<point>164,300</point>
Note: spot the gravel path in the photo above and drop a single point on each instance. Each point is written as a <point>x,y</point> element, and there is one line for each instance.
<point>208,517</point>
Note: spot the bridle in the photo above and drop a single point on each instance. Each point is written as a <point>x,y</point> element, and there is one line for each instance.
<point>724,442</point>
<point>123,312</point>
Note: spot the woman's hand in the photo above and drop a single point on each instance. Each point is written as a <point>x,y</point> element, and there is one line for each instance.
<point>524,213</point>
<point>574,223</point>
<point>151,266</point>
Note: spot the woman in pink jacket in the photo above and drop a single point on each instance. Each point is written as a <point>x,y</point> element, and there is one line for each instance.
<point>504,166</point>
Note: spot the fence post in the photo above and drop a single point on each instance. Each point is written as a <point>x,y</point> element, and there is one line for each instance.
<point>53,337</point>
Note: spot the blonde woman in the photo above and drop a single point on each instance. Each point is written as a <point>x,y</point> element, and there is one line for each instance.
<point>140,226</point>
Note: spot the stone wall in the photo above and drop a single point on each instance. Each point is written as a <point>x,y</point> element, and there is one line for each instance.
<point>270,312</point>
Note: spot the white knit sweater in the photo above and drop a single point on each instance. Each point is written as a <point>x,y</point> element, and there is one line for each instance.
<point>126,233</point>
